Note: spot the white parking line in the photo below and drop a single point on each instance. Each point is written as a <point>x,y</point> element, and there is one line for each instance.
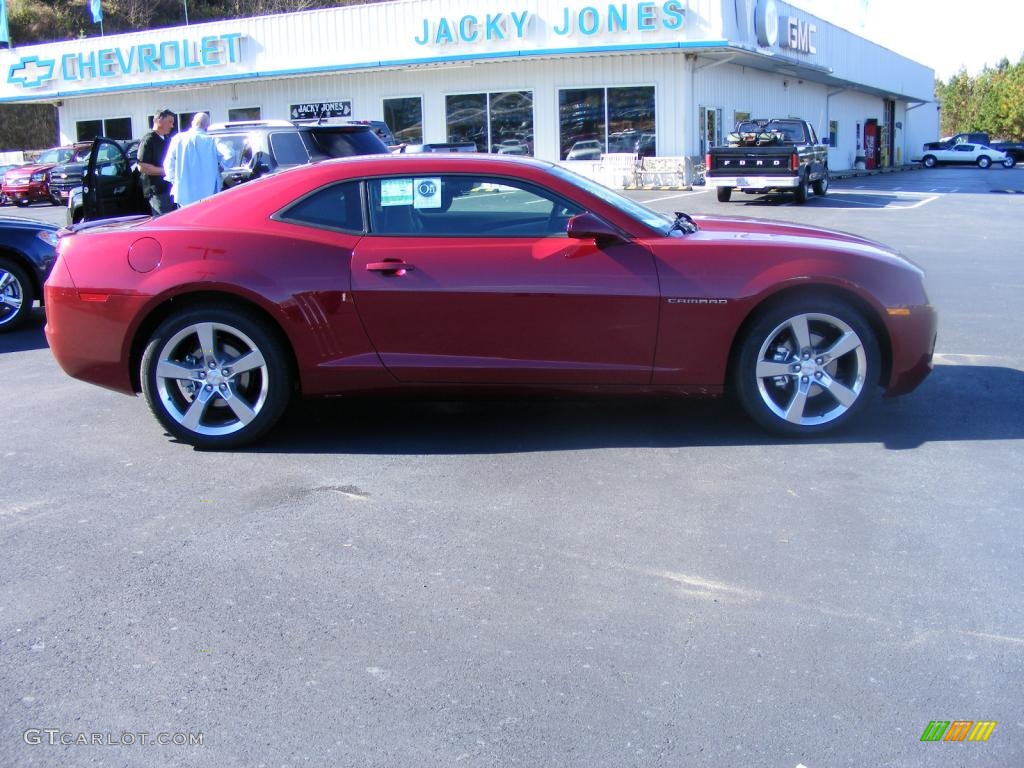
<point>901,197</point>
<point>681,194</point>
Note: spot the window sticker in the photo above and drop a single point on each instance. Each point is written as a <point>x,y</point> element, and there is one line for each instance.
<point>428,193</point>
<point>396,192</point>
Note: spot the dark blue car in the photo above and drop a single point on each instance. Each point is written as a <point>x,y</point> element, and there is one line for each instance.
<point>26,257</point>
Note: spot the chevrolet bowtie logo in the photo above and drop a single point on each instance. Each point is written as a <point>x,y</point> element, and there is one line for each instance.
<point>31,72</point>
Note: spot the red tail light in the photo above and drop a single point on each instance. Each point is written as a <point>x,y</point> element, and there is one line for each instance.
<point>794,162</point>
<point>707,161</point>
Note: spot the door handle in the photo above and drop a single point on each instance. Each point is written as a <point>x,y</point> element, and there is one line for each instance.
<point>390,267</point>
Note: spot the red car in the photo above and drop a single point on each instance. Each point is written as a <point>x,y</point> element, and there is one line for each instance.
<point>439,272</point>
<point>29,183</point>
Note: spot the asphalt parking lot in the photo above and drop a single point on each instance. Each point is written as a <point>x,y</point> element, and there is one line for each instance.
<point>502,583</point>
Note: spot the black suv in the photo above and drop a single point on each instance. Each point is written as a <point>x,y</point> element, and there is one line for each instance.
<point>249,150</point>
<point>66,177</point>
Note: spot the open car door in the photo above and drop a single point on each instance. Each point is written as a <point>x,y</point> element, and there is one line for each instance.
<point>111,185</point>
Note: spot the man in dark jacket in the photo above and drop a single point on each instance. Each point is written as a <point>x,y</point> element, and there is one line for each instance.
<point>152,150</point>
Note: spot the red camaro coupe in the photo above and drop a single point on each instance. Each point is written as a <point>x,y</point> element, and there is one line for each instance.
<point>433,273</point>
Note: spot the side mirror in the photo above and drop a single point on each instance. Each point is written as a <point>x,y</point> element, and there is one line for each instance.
<point>587,226</point>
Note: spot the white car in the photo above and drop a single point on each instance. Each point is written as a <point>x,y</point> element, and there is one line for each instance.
<point>977,154</point>
<point>585,150</point>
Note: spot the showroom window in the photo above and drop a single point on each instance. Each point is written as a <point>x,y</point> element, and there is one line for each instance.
<point>404,117</point>
<point>500,123</point>
<point>184,121</point>
<point>465,206</point>
<point>245,113</point>
<point>112,128</point>
<point>593,121</point>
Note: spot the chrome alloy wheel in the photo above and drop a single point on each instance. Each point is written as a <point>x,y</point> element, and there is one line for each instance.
<point>12,296</point>
<point>811,369</point>
<point>211,379</point>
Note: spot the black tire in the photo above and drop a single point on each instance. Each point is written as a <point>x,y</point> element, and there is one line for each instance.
<point>55,201</point>
<point>17,294</point>
<point>984,161</point>
<point>21,203</point>
<point>803,191</point>
<point>1009,162</point>
<point>724,194</point>
<point>821,185</point>
<point>239,405</point>
<point>928,161</point>
<point>796,389</point>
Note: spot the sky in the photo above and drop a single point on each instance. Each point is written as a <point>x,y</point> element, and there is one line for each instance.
<point>943,34</point>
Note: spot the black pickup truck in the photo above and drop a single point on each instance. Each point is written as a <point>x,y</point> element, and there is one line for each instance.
<point>769,156</point>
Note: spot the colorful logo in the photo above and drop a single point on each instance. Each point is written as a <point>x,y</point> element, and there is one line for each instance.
<point>31,71</point>
<point>958,730</point>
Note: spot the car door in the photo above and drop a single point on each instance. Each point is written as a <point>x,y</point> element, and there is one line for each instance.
<point>111,184</point>
<point>469,279</point>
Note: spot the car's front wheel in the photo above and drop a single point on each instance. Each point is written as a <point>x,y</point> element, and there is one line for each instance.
<point>928,161</point>
<point>806,366</point>
<point>724,194</point>
<point>216,378</point>
<point>984,161</point>
<point>17,295</point>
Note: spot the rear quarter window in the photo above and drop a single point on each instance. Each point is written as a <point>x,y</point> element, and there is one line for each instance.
<point>338,206</point>
<point>288,149</point>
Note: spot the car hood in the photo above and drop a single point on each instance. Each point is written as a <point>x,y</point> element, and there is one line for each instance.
<point>22,222</point>
<point>730,228</point>
<point>72,169</point>
<point>28,170</point>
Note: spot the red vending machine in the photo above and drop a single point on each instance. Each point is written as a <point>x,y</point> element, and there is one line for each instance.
<point>871,144</point>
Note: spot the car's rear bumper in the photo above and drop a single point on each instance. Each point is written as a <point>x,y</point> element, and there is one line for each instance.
<point>87,333</point>
<point>753,182</point>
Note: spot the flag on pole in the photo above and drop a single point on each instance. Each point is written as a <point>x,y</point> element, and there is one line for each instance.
<point>96,8</point>
<point>5,34</point>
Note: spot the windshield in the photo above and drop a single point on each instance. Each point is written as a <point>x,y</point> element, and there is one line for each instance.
<point>657,221</point>
<point>55,156</point>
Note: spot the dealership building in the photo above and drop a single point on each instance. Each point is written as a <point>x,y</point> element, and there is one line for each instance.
<point>542,77</point>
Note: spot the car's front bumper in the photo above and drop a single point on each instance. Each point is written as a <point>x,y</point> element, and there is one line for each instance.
<point>912,332</point>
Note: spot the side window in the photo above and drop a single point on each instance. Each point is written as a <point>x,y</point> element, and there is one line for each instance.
<point>466,206</point>
<point>964,147</point>
<point>234,150</point>
<point>336,207</point>
<point>111,161</point>
<point>288,148</point>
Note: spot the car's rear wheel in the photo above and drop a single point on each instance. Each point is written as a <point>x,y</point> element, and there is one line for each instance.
<point>17,295</point>
<point>803,190</point>
<point>216,378</point>
<point>1009,162</point>
<point>984,161</point>
<point>821,185</point>
<point>724,194</point>
<point>807,366</point>
<point>928,161</point>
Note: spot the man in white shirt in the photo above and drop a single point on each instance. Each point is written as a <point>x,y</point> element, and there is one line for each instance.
<point>192,164</point>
